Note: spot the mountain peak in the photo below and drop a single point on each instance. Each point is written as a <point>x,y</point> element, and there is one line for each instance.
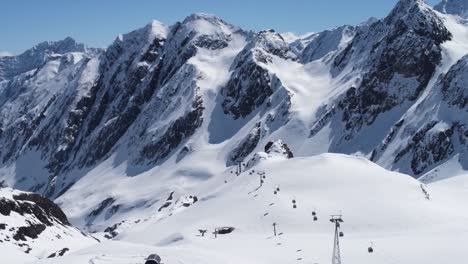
<point>267,37</point>
<point>453,7</point>
<point>68,44</point>
<point>203,24</point>
<point>144,35</point>
<point>418,17</point>
<point>207,23</point>
<point>37,55</point>
<point>203,16</point>
<point>407,8</point>
<point>156,29</point>
<point>271,42</point>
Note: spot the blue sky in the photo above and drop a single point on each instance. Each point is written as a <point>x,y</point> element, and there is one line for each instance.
<point>96,22</point>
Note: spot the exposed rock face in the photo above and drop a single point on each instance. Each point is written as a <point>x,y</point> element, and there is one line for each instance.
<point>428,146</point>
<point>273,149</point>
<point>59,253</point>
<point>399,56</point>
<point>39,207</point>
<point>176,133</point>
<point>453,85</point>
<point>25,218</point>
<point>442,133</point>
<point>42,205</point>
<point>278,148</point>
<point>125,85</point>
<point>103,207</point>
<point>251,84</point>
<point>327,42</point>
<point>246,146</point>
<point>402,63</point>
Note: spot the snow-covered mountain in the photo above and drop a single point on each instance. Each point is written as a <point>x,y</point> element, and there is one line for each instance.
<point>454,7</point>
<point>149,127</point>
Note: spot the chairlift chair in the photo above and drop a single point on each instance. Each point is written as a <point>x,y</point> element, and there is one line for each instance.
<point>370,249</point>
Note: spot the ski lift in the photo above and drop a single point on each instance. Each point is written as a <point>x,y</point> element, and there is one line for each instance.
<point>315,218</point>
<point>294,201</point>
<point>278,189</point>
<point>341,234</point>
<point>370,249</point>
<point>275,192</point>
<point>314,213</point>
<point>264,177</point>
<point>294,206</point>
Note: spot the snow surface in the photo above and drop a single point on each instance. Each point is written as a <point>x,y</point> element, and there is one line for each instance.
<point>379,206</point>
<point>291,37</point>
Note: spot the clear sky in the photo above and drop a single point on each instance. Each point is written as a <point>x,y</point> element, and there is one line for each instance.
<point>97,22</point>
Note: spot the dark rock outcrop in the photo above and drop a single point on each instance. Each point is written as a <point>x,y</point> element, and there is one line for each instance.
<point>278,147</point>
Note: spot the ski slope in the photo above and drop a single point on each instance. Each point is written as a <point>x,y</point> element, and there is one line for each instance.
<point>386,208</point>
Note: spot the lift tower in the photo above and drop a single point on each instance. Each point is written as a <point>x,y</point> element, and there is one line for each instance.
<point>337,220</point>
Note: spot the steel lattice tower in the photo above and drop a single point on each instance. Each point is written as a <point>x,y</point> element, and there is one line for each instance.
<point>336,259</point>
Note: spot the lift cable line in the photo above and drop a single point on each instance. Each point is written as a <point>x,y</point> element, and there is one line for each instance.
<point>336,219</point>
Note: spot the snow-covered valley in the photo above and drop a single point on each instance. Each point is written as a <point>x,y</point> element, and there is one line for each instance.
<point>141,144</point>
